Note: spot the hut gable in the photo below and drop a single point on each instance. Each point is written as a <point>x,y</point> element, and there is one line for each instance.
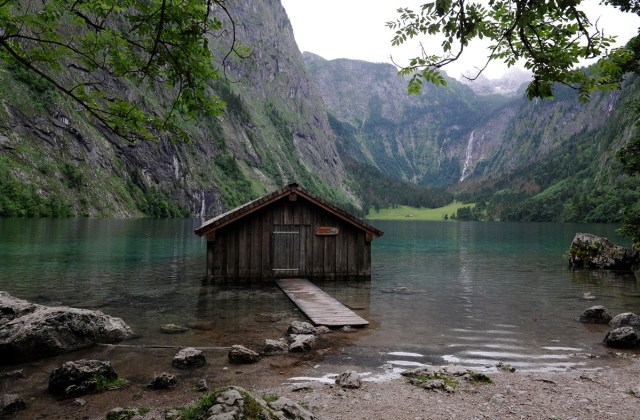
<point>288,233</point>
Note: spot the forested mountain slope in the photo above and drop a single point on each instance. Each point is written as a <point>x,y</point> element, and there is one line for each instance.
<point>56,161</point>
<point>522,159</point>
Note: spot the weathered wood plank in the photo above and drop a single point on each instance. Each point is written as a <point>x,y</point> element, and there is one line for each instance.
<point>317,305</point>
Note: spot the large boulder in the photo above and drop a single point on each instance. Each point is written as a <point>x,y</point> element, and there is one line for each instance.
<point>29,331</point>
<point>80,377</point>
<point>591,251</point>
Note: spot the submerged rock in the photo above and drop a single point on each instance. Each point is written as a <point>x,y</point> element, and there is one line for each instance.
<point>173,329</point>
<point>595,315</point>
<point>29,331</point>
<point>591,251</point>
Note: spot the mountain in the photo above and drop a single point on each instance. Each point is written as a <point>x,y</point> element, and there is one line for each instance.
<point>521,159</point>
<point>56,161</point>
<point>511,82</point>
<point>421,139</point>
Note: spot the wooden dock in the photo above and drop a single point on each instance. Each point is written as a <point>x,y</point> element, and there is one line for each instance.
<point>318,306</point>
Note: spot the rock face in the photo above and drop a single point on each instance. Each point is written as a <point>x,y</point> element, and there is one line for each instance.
<point>80,377</point>
<point>595,315</point>
<point>591,251</point>
<point>189,358</point>
<point>29,331</point>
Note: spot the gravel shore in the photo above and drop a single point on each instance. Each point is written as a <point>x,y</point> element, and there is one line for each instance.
<point>578,394</point>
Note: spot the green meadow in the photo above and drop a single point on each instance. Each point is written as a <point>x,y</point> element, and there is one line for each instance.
<point>416,213</point>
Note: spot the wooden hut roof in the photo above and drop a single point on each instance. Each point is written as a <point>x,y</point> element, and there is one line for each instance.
<point>231,216</point>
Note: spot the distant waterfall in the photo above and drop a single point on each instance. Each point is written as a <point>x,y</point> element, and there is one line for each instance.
<point>467,161</point>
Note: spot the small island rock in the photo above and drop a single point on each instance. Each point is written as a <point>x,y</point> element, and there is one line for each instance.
<point>299,327</point>
<point>272,347</point>
<point>625,319</point>
<point>591,251</point>
<point>596,315</point>
<point>349,379</point>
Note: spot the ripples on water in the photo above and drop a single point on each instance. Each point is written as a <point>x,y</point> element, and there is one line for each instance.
<point>469,293</point>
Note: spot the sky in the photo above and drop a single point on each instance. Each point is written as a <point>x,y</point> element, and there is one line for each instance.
<point>356,29</point>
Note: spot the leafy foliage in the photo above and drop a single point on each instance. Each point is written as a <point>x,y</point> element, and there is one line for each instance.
<point>551,37</point>
<point>83,48</point>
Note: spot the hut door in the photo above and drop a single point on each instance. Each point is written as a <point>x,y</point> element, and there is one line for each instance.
<point>286,250</point>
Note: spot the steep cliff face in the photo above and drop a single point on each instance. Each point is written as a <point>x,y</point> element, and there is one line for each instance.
<point>448,135</point>
<point>421,139</point>
<point>274,131</point>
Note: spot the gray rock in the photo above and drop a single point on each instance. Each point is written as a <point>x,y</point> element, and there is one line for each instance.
<point>595,315</point>
<point>625,319</point>
<point>189,358</point>
<point>321,329</point>
<point>272,347</point>
<point>79,402</point>
<point>163,381</point>
<point>242,355</point>
<point>302,342</point>
<point>79,377</point>
<point>349,379</point>
<point>10,403</point>
<point>291,409</point>
<point>298,327</point>
<point>591,251</point>
<point>120,413</point>
<point>201,386</point>
<point>29,331</point>
<point>623,337</point>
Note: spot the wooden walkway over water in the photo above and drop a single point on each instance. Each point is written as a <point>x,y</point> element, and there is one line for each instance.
<point>318,306</point>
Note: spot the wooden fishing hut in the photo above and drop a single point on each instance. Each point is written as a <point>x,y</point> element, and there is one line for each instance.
<point>290,233</point>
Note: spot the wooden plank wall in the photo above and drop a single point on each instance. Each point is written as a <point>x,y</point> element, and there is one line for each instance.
<point>243,249</point>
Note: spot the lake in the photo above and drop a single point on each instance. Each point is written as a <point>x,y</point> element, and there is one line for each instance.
<point>471,293</point>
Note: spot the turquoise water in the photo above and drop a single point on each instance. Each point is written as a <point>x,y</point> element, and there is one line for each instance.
<point>466,292</point>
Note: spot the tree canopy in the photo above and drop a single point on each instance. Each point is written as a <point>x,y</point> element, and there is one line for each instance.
<point>551,37</point>
<point>107,55</point>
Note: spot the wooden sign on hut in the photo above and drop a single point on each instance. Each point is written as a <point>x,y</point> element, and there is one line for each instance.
<point>287,234</point>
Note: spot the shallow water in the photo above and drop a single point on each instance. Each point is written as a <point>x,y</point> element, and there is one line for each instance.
<point>464,292</point>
